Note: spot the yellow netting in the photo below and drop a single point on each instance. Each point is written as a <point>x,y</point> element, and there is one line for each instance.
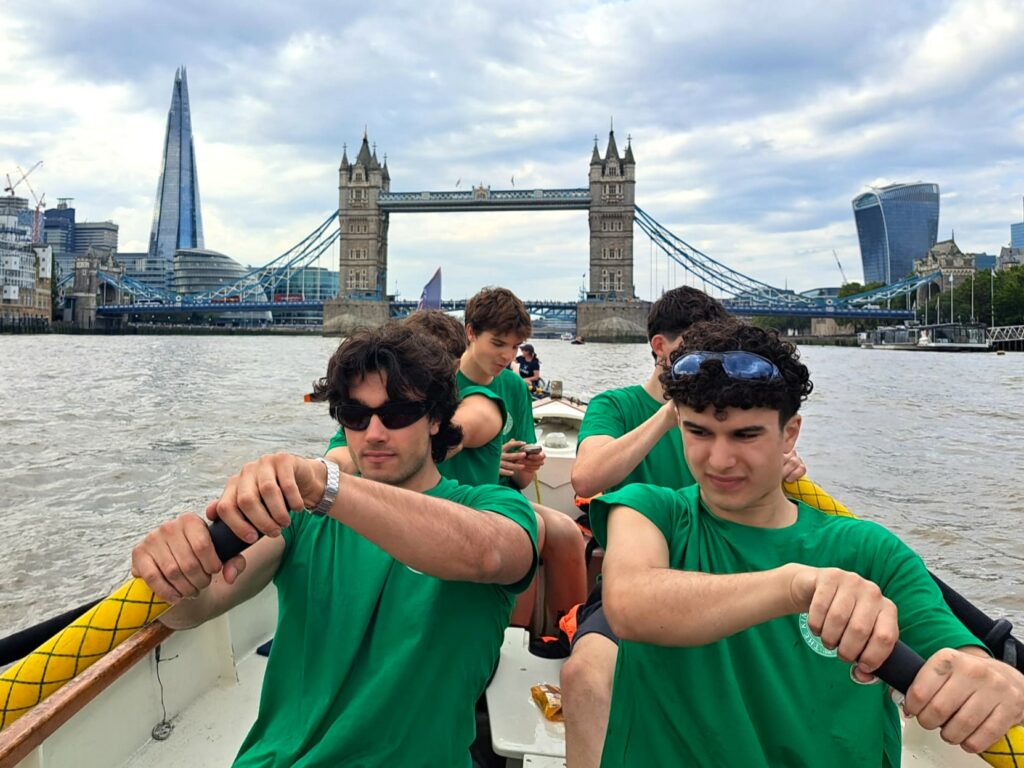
<point>1008,752</point>
<point>76,647</point>
<point>811,493</point>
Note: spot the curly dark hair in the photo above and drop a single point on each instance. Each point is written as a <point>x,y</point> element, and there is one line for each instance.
<point>442,327</point>
<point>417,368</point>
<point>712,386</point>
<point>498,310</point>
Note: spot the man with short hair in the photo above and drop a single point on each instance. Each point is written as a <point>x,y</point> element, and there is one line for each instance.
<point>628,435</point>
<point>732,601</point>
<point>497,324</point>
<point>393,593</point>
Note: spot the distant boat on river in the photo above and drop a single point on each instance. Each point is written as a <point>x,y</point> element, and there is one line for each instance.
<point>941,337</point>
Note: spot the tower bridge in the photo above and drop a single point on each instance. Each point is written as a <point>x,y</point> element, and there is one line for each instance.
<point>608,307</point>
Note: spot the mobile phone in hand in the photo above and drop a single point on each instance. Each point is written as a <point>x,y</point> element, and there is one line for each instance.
<point>530,450</point>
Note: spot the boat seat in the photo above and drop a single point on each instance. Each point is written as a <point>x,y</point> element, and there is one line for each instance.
<point>518,729</point>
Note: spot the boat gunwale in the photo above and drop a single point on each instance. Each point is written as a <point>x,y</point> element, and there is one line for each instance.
<point>30,730</point>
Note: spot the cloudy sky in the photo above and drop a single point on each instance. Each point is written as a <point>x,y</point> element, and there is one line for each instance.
<point>753,124</point>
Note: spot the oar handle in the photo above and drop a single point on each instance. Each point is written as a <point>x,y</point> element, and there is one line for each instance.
<point>899,671</point>
<point>225,542</point>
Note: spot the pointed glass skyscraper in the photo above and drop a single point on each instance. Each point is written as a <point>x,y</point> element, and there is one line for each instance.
<point>177,219</point>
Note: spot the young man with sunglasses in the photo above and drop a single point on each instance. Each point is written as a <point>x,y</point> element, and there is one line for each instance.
<point>629,435</point>
<point>381,578</point>
<point>497,324</point>
<point>733,601</point>
<point>480,413</point>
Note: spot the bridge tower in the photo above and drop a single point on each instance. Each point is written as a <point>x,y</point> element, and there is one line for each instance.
<point>611,311</point>
<point>364,228</point>
<point>363,261</point>
<point>613,201</point>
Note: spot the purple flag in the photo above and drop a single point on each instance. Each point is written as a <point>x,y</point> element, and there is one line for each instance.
<point>431,296</point>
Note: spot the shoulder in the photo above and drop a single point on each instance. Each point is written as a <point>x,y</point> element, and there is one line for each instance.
<point>863,545</point>
<point>665,507</point>
<point>476,389</point>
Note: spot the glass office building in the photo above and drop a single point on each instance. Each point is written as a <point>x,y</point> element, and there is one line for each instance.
<point>1017,235</point>
<point>896,225</point>
<point>177,218</point>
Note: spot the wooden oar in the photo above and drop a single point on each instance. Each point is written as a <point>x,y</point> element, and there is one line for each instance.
<point>90,637</point>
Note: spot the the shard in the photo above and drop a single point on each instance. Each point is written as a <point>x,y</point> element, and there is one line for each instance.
<point>177,218</point>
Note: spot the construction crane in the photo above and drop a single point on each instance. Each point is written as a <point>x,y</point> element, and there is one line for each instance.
<point>24,175</point>
<point>838,264</point>
<point>39,201</point>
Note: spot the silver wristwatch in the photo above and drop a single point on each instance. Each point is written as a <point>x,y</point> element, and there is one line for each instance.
<point>330,488</point>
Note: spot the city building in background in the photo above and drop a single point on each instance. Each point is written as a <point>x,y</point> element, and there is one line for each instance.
<point>985,260</point>
<point>177,217</point>
<point>25,267</point>
<point>70,238</point>
<point>896,225</point>
<point>1017,235</point>
<point>197,270</point>
<point>59,234</point>
<point>1010,257</point>
<point>307,284</point>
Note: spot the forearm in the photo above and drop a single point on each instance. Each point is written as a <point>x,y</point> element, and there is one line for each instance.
<point>435,536</point>
<point>687,608</point>
<point>598,467</point>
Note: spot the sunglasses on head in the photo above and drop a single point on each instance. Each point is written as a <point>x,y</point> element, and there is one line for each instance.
<point>395,414</point>
<point>737,365</point>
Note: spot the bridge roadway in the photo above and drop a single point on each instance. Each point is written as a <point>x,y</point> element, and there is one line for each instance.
<point>485,199</point>
<point>562,310</point>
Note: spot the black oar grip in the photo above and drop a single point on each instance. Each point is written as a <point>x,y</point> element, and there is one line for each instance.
<point>902,666</point>
<point>225,542</point>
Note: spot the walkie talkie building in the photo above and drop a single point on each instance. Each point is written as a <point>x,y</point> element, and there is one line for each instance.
<point>896,225</point>
<point>177,218</point>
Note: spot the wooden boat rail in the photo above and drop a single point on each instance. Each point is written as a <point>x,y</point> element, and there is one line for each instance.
<point>28,732</point>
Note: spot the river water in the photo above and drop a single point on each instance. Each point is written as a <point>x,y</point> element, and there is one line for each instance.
<point>102,438</point>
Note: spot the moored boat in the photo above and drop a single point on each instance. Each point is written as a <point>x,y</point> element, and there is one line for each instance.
<point>941,337</point>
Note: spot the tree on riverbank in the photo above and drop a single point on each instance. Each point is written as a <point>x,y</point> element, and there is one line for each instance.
<point>1006,290</point>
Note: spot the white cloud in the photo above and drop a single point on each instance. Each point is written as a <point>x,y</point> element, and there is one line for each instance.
<point>753,126</point>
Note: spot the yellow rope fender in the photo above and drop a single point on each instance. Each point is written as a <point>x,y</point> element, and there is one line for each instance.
<point>76,647</point>
<point>1008,752</point>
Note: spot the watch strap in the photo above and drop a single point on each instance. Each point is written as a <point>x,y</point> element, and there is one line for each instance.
<point>330,488</point>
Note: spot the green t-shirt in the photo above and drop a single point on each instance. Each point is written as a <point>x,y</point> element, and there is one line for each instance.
<point>373,663</point>
<point>513,391</point>
<point>470,466</point>
<point>766,696</point>
<point>618,411</point>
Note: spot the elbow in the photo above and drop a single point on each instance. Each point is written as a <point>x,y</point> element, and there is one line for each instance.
<point>490,566</point>
<point>505,564</point>
<point>582,483</point>
<point>620,612</point>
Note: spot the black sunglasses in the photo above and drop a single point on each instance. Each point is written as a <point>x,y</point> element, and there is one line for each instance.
<point>737,365</point>
<point>395,414</point>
